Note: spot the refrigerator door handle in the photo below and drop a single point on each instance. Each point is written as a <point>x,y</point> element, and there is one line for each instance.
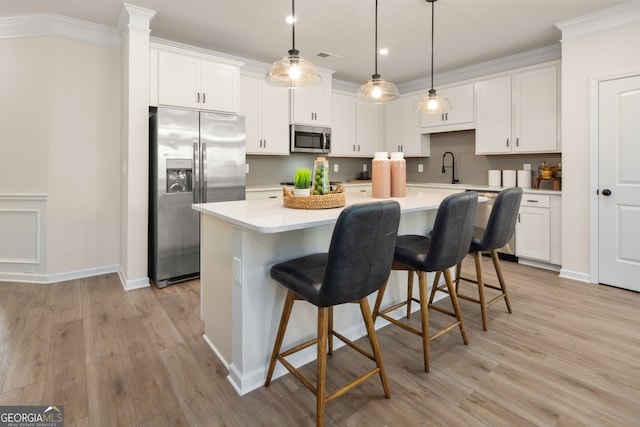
<point>196,171</point>
<point>203,179</point>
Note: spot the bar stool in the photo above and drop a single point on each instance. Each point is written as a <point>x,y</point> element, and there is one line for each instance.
<point>358,263</point>
<point>499,230</point>
<point>445,246</point>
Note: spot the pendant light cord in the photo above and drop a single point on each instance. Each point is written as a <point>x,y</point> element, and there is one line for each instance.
<point>432,32</point>
<point>376,42</point>
<point>293,24</point>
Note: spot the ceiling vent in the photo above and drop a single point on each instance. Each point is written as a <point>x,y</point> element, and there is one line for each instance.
<point>327,56</point>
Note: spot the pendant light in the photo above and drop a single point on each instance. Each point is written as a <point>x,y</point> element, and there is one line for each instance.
<point>376,90</point>
<point>293,70</point>
<point>432,102</point>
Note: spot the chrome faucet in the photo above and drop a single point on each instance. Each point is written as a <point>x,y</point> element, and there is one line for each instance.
<point>453,167</point>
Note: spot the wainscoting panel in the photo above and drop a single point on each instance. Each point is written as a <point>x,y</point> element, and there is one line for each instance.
<point>22,236</point>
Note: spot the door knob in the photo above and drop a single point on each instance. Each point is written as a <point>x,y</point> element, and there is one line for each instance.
<point>606,192</point>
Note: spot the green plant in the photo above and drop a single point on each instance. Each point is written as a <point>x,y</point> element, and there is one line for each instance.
<point>303,178</point>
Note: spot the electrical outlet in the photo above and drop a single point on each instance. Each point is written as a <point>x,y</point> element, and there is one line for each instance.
<point>237,270</point>
<point>420,167</point>
<point>364,167</point>
<point>335,167</point>
<point>246,168</point>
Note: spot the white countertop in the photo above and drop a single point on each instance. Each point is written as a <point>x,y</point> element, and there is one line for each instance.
<point>270,216</point>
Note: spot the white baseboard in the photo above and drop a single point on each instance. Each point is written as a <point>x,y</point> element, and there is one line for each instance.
<point>575,275</point>
<point>131,284</point>
<point>57,277</point>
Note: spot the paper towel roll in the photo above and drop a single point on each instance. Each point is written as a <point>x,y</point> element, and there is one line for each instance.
<point>495,178</point>
<point>524,179</point>
<point>508,178</point>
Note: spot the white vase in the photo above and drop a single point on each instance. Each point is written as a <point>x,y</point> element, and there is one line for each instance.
<point>301,191</point>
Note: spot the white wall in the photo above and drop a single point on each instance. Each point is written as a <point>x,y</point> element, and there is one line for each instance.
<point>60,136</point>
<point>584,59</point>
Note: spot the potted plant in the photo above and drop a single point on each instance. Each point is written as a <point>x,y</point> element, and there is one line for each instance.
<point>302,183</point>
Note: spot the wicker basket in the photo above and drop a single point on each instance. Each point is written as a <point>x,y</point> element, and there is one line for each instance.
<point>335,199</point>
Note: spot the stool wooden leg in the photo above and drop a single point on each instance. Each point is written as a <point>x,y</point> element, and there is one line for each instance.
<point>284,320</point>
<point>458,271</point>
<point>376,306</point>
<point>424,315</point>
<point>434,287</point>
<point>323,327</point>
<point>456,306</point>
<point>375,346</point>
<point>409,292</point>
<point>330,330</point>
<point>503,285</point>
<point>477,258</point>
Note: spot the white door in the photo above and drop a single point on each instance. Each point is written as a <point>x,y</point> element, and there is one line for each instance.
<point>619,183</point>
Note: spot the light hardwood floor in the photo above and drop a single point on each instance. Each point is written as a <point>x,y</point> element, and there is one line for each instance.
<point>569,355</point>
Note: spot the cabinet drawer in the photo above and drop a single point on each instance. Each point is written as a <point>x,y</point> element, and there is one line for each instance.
<point>540,201</point>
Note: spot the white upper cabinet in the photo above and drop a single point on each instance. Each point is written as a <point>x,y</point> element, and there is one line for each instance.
<point>266,111</point>
<point>197,82</point>
<point>369,128</point>
<point>460,117</point>
<point>356,129</point>
<point>311,105</point>
<point>402,128</point>
<point>518,113</point>
<point>343,125</point>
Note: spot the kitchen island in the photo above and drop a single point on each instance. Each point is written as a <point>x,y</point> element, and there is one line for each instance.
<point>240,304</point>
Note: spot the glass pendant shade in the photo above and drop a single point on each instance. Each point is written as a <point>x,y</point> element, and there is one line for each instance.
<point>433,103</point>
<point>377,90</point>
<point>293,71</point>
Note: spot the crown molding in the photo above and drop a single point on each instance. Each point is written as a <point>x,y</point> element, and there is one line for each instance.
<point>134,18</point>
<point>614,18</point>
<point>520,60</point>
<point>51,25</point>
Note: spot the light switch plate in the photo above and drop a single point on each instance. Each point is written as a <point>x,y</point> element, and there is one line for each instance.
<point>335,167</point>
<point>420,167</point>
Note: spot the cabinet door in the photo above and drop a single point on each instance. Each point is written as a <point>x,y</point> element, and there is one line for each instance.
<point>459,118</point>
<point>536,110</point>
<point>250,108</point>
<point>493,116</point>
<point>275,119</point>
<point>369,129</point>
<point>413,142</point>
<point>343,129</point>
<point>312,104</point>
<point>178,80</point>
<point>532,233</point>
<point>219,85</point>
<point>266,111</point>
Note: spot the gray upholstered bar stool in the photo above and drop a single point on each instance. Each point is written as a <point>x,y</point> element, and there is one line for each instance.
<point>444,247</point>
<point>358,263</point>
<point>496,234</point>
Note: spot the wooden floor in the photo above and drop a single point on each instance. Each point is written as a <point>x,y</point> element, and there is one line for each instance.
<point>569,355</point>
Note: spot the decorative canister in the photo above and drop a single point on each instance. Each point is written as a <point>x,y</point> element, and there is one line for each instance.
<point>381,175</point>
<point>398,175</point>
<point>321,176</point>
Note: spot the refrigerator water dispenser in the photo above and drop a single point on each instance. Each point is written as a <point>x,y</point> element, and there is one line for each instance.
<point>179,176</point>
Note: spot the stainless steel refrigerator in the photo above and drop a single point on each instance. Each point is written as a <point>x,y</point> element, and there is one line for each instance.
<point>195,157</point>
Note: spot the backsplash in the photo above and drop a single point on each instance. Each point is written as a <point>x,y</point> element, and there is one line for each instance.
<point>470,168</point>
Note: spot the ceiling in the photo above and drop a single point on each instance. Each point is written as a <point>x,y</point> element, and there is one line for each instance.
<point>467,32</point>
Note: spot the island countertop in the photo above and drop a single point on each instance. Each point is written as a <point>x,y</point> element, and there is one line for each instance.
<point>268,216</point>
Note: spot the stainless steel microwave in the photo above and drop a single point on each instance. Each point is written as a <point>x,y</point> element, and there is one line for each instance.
<point>310,139</point>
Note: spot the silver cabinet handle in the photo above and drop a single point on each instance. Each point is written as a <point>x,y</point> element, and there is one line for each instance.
<point>507,142</point>
<point>532,201</point>
<point>517,142</point>
<point>198,97</point>
<point>204,98</point>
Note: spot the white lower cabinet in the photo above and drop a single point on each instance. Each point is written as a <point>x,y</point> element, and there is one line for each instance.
<point>263,194</point>
<point>538,235</point>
